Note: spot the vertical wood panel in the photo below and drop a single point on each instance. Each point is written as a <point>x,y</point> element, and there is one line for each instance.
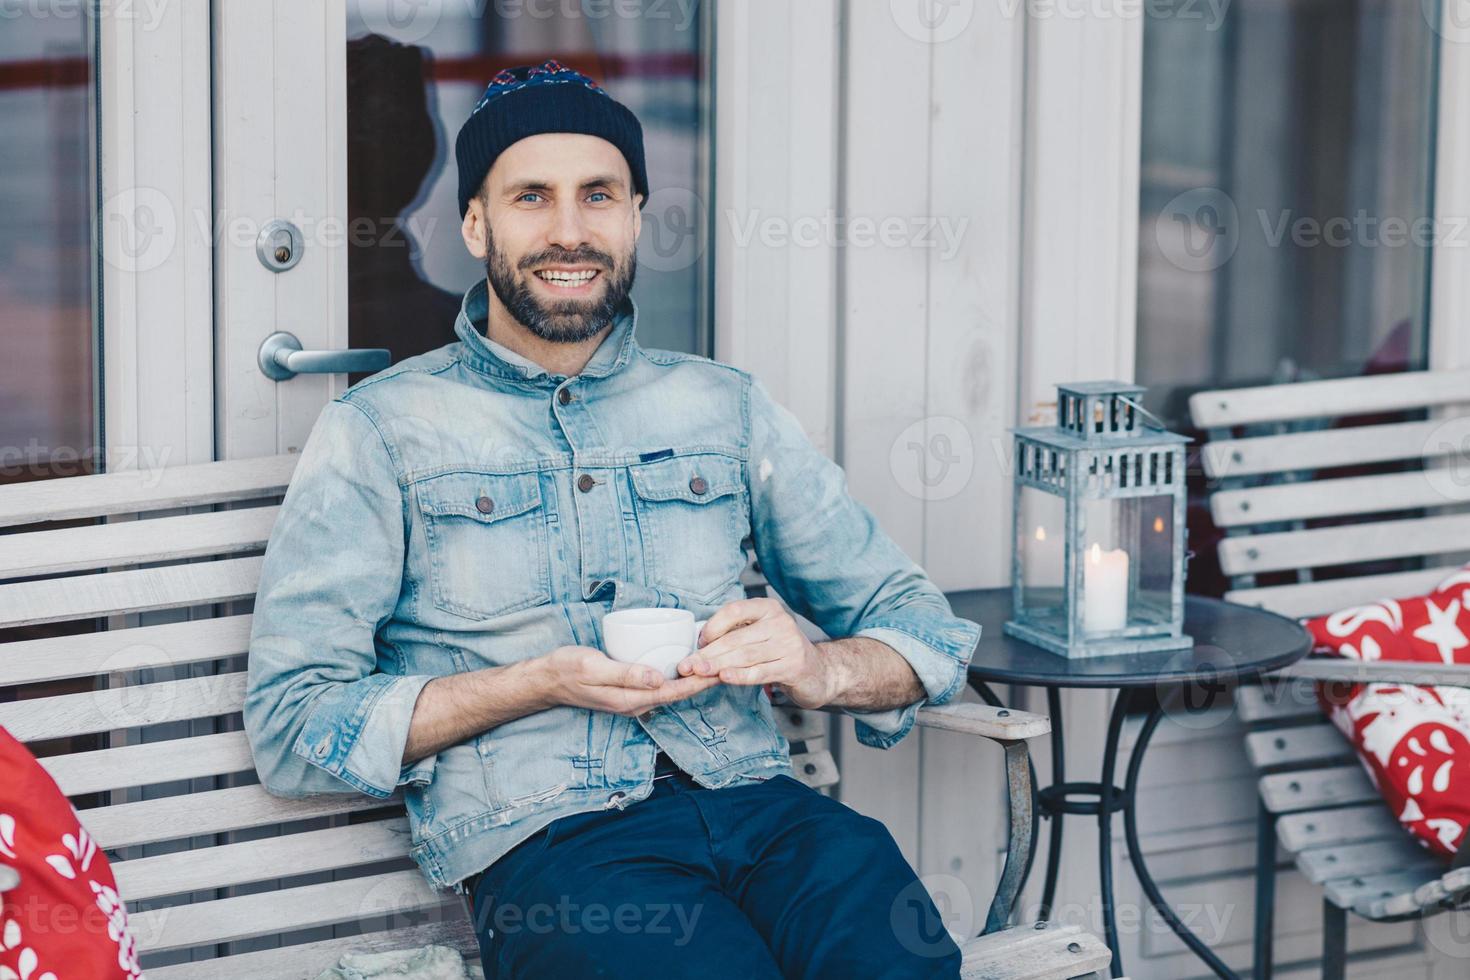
<point>884,334</point>
<point>971,396</point>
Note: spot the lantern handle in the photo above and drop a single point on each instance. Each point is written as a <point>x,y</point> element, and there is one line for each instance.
<point>1148,417</point>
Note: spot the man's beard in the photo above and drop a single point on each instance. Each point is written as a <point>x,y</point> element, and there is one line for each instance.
<point>566,321</point>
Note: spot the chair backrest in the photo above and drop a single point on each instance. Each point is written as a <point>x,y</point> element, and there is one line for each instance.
<point>123,666</point>
<point>1312,477</point>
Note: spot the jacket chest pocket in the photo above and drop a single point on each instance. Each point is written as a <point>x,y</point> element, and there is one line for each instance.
<point>692,516</point>
<point>486,539</point>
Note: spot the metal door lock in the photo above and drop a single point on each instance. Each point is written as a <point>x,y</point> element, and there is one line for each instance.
<point>279,245</point>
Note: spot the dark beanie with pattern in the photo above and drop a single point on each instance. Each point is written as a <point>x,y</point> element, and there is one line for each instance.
<point>544,98</point>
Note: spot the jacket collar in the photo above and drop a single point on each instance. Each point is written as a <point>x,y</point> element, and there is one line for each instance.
<point>496,359</point>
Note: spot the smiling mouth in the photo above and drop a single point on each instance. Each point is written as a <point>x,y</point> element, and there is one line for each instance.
<point>568,280</point>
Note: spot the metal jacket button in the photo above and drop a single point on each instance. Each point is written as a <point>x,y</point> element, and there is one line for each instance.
<point>585,482</point>
<point>564,396</point>
<point>698,485</point>
<point>484,505</point>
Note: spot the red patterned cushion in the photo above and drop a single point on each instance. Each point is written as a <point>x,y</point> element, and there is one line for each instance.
<point>64,919</point>
<point>1413,741</point>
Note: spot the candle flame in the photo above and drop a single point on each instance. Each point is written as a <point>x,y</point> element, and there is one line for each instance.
<point>1094,554</point>
<point>1158,525</point>
<point>1040,533</point>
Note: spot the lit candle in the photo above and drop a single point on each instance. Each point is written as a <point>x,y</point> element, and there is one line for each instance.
<point>1104,590</point>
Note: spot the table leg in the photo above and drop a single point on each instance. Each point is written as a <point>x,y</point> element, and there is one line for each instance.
<point>1135,853</point>
<point>1058,775</point>
<point>1107,805</point>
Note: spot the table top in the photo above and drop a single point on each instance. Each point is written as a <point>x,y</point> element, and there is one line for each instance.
<point>1231,642</point>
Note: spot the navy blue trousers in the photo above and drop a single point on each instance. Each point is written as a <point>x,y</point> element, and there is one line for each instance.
<point>751,882</point>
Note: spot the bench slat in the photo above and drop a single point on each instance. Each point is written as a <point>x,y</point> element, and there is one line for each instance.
<point>306,961</point>
<point>800,725</point>
<point>1318,598</point>
<point>1399,853</point>
<point>57,658</point>
<point>136,590</point>
<point>287,910</point>
<point>134,491</point>
<point>74,549</point>
<point>128,706</point>
<point>1263,703</point>
<point>1296,746</point>
<point>1321,449</point>
<point>225,865</point>
<point>215,812</point>
<point>1041,952</point>
<point>1379,671</point>
<point>1334,498</point>
<point>1316,547</point>
<point>1350,893</point>
<point>1313,789</point>
<point>816,769</point>
<point>1340,825</point>
<point>147,763</point>
<point>1426,898</point>
<point>1322,399</point>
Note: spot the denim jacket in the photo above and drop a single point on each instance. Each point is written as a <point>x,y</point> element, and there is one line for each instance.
<point>466,509</point>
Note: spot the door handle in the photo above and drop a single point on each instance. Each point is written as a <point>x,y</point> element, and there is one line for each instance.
<point>281,358</point>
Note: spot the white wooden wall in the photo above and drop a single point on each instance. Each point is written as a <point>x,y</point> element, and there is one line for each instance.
<point>1030,130</point>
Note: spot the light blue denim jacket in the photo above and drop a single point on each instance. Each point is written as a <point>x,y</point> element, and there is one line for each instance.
<point>457,511</point>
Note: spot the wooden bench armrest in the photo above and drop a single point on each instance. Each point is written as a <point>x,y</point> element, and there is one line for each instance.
<point>972,718</point>
<point>1377,672</point>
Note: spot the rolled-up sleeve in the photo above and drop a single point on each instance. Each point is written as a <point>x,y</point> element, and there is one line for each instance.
<point>826,556</point>
<point>322,713</point>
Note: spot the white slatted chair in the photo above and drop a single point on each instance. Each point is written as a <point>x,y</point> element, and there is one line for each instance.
<point>229,866</point>
<point>1266,446</point>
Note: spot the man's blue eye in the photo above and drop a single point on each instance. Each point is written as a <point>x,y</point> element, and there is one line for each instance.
<point>529,194</point>
<point>597,194</point>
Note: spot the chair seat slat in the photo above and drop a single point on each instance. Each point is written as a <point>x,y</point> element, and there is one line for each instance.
<point>1249,554</point>
<point>287,910</point>
<point>1321,864</point>
<point>215,812</point>
<point>147,763</point>
<point>57,658</point>
<point>1313,789</point>
<point>226,865</point>
<point>135,491</point>
<point>73,549</point>
<point>136,590</point>
<point>1335,397</point>
<point>1319,828</point>
<point>127,706</point>
<point>306,961</point>
<point>1320,598</point>
<point>1309,500</point>
<point>1295,746</point>
<point>1033,952</point>
<point>1351,892</point>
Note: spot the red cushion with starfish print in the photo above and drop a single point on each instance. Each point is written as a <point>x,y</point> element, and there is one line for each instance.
<point>1414,741</point>
<point>63,918</point>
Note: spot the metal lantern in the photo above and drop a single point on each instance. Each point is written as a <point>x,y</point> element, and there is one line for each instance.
<point>1099,502</point>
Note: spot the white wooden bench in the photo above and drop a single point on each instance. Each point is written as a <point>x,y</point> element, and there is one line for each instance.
<point>155,604</point>
<point>1266,448</point>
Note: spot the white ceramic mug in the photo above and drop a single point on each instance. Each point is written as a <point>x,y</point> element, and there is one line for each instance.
<point>659,638</point>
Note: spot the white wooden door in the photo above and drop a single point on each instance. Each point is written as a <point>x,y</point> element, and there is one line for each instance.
<point>338,117</point>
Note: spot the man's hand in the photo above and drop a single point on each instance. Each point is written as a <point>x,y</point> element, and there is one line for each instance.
<point>588,678</point>
<point>757,641</point>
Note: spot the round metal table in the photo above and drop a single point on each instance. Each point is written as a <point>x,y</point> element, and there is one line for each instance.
<point>1232,644</point>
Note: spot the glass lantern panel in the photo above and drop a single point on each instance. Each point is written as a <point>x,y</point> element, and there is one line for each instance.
<point>1041,531</point>
<point>1127,554</point>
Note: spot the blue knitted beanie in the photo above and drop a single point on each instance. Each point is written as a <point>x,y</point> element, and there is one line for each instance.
<point>544,98</point>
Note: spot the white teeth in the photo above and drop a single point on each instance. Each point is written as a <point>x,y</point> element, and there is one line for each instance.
<point>567,278</point>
